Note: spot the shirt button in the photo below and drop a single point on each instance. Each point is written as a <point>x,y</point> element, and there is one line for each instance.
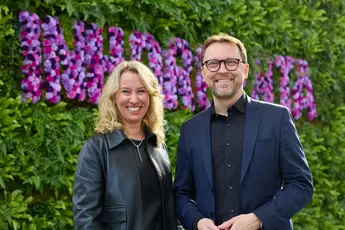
<point>228,144</point>
<point>232,210</point>
<point>228,125</point>
<point>230,187</point>
<point>229,166</point>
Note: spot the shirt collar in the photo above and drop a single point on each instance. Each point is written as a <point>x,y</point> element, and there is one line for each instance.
<point>117,136</point>
<point>240,105</point>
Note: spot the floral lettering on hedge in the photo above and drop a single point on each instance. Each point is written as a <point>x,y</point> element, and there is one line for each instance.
<point>181,75</point>
<point>31,50</point>
<point>264,82</point>
<point>200,84</point>
<point>138,42</point>
<point>116,49</point>
<point>286,65</point>
<point>303,101</point>
<point>84,67</point>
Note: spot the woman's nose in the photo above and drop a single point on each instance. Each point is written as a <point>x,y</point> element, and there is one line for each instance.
<point>134,98</point>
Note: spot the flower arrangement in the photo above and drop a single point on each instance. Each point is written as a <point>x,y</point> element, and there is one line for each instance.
<point>264,83</point>
<point>83,68</point>
<point>302,101</point>
<point>31,51</point>
<point>200,84</point>
<point>155,57</point>
<point>94,61</point>
<point>178,75</point>
<point>53,46</point>
<point>116,49</point>
<point>138,42</point>
<point>169,81</point>
<point>286,65</point>
<point>74,68</point>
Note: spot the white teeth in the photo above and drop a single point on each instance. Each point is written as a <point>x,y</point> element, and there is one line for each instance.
<point>223,80</point>
<point>133,108</point>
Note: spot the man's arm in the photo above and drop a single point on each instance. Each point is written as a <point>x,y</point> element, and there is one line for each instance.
<point>186,209</point>
<point>88,189</point>
<point>297,189</point>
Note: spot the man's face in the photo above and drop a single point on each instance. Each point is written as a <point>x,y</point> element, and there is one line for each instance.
<point>224,83</point>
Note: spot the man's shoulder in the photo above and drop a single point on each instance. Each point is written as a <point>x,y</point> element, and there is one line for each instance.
<point>197,118</point>
<point>268,106</point>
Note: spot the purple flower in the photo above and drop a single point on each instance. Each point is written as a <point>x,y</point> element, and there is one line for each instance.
<point>200,84</point>
<point>302,101</point>
<point>31,67</point>
<point>263,83</point>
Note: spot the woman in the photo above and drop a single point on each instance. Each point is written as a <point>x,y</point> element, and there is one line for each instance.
<point>123,177</point>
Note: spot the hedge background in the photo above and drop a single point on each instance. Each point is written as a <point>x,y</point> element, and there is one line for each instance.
<point>39,143</point>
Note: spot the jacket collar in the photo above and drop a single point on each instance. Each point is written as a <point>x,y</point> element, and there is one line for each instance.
<point>117,136</point>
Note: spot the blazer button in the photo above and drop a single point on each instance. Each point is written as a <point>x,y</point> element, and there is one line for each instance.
<point>211,189</point>
<point>211,214</point>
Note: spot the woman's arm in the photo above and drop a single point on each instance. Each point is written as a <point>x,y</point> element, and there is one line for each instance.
<point>88,189</point>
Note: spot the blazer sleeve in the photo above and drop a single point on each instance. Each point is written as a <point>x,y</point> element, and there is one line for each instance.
<point>297,188</point>
<point>186,210</point>
<point>88,189</point>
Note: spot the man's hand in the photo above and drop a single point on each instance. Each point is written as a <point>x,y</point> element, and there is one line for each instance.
<point>206,224</point>
<point>242,222</point>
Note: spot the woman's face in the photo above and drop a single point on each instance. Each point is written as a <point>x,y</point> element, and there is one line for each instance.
<point>132,99</point>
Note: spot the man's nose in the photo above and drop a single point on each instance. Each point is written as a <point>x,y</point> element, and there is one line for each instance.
<point>222,68</point>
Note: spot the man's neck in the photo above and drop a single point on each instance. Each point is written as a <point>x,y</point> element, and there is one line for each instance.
<point>222,105</point>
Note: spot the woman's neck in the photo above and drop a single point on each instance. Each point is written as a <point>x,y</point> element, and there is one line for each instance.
<point>135,132</point>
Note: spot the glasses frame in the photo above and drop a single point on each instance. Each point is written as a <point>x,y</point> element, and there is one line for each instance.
<point>223,61</point>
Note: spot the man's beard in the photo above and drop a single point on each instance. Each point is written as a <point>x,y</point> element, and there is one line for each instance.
<point>224,94</point>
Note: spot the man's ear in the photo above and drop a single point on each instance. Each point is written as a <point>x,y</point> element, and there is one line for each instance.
<point>246,71</point>
<point>202,71</point>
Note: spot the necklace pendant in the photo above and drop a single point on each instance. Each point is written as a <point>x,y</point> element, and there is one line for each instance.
<point>137,146</point>
<point>141,159</point>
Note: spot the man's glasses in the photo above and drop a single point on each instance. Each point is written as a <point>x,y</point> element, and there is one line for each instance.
<point>230,64</point>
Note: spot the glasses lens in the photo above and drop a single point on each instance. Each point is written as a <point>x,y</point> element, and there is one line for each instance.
<point>212,65</point>
<point>231,64</point>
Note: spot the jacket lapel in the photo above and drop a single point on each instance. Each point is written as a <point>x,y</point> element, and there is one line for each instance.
<point>250,131</point>
<point>205,143</point>
<point>160,160</point>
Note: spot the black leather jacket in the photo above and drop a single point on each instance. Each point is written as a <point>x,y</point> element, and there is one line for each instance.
<point>106,191</point>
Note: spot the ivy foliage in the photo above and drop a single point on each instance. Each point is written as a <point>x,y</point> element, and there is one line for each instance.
<point>39,143</point>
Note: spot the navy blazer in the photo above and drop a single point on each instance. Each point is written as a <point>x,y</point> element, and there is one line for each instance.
<point>276,180</point>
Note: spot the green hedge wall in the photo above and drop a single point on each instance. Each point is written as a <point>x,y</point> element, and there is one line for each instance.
<point>39,143</point>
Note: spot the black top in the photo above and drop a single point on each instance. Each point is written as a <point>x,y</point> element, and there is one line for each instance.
<point>227,133</point>
<point>150,189</point>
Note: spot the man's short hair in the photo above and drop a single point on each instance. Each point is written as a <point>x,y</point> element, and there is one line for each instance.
<point>224,38</point>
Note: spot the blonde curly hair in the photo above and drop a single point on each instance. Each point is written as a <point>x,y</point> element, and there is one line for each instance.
<point>108,119</point>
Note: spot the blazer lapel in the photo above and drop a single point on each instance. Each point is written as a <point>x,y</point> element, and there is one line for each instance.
<point>250,131</point>
<point>204,134</point>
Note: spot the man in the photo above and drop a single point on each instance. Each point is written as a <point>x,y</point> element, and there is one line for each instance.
<point>240,162</point>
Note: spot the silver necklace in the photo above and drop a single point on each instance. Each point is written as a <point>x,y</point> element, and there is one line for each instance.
<point>137,146</point>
